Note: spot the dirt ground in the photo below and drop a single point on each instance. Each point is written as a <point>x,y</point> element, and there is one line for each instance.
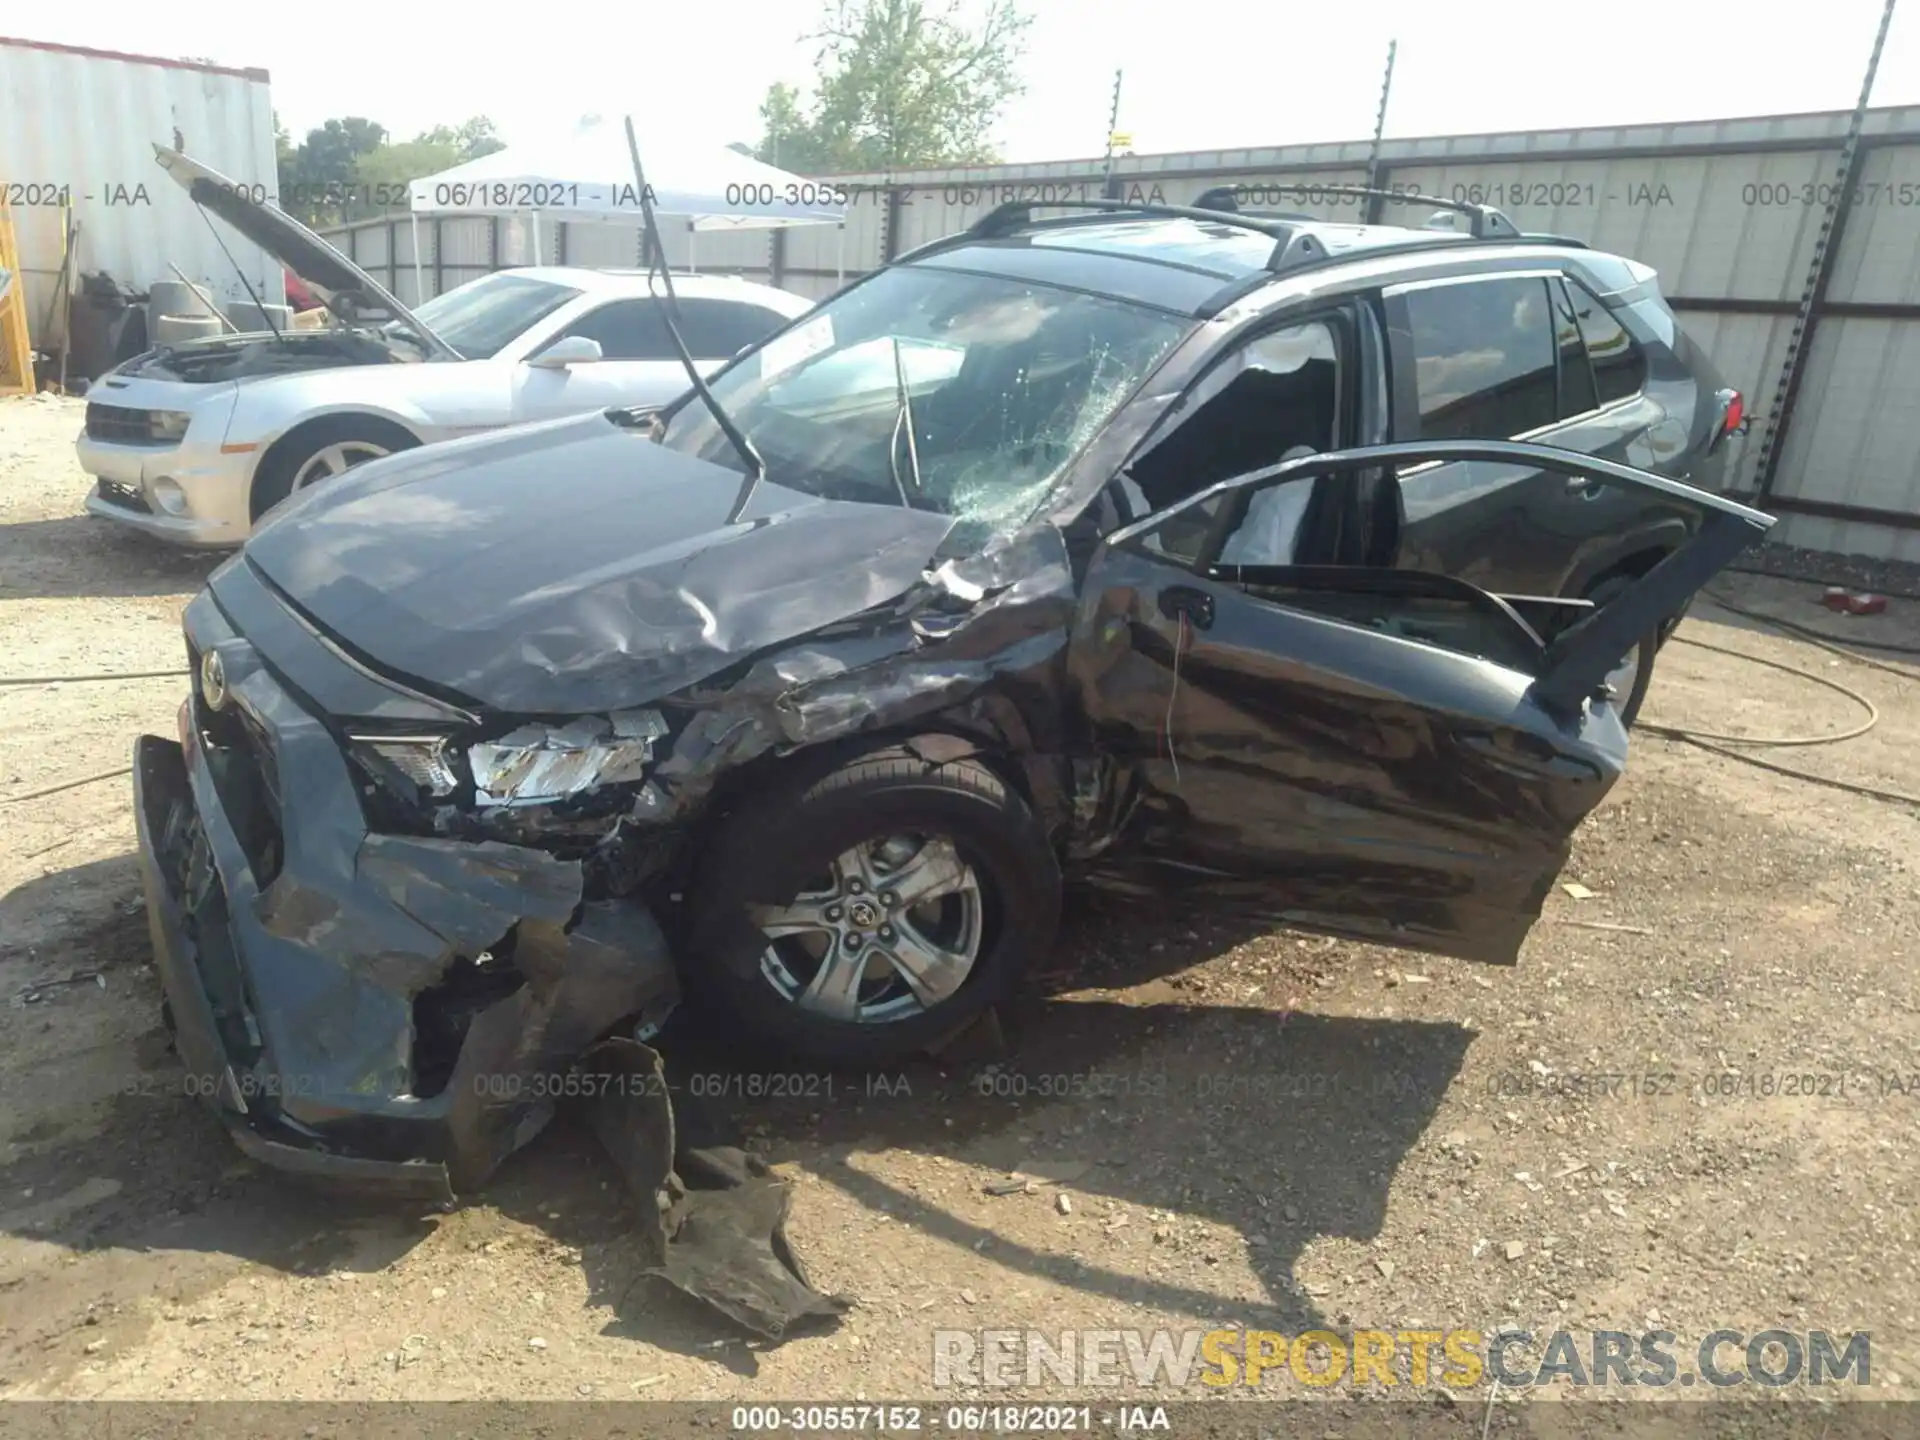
<point>1279,1131</point>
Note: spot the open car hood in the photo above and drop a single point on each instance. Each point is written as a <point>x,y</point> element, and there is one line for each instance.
<point>346,289</point>
<point>575,566</point>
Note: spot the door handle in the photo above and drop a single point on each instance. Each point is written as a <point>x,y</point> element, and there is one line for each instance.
<point>1184,601</point>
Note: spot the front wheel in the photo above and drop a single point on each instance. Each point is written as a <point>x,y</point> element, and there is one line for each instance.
<point>860,918</point>
<point>1631,677</point>
<point>320,451</point>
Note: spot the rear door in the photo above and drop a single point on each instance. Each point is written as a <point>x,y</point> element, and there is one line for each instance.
<point>1498,357</point>
<point>1389,754</point>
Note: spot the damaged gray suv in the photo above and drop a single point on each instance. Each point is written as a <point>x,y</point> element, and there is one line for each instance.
<point>807,696</point>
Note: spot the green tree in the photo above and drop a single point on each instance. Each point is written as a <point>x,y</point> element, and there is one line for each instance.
<point>470,139</point>
<point>380,178</point>
<point>316,176</point>
<point>903,84</point>
<point>345,169</point>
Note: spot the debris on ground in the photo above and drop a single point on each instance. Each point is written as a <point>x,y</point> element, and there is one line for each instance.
<point>1845,602</point>
<point>713,1217</point>
<point>32,994</point>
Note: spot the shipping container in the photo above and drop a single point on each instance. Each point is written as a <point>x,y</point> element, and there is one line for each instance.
<point>78,127</point>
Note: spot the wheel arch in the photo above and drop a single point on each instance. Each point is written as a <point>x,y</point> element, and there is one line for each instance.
<point>934,740</point>
<point>288,441</point>
<point>1632,557</point>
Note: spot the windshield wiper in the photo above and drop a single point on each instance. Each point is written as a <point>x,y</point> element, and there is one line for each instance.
<point>903,419</point>
<point>756,467</point>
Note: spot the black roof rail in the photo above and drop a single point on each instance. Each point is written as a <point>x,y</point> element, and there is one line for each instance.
<point>1017,215</point>
<point>1541,237</point>
<point>1292,245</point>
<point>1485,222</point>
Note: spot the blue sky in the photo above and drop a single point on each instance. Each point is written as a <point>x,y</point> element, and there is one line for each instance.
<point>1202,74</point>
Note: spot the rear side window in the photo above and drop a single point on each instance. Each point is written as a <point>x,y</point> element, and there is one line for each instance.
<point>1619,367</point>
<point>1484,358</point>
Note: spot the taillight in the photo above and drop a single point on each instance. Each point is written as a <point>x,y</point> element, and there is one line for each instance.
<point>1736,413</point>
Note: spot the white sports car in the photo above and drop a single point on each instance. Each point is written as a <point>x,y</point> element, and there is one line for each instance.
<point>195,442</point>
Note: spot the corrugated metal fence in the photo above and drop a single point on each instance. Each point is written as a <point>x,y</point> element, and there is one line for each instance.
<point>77,130</point>
<point>1727,211</point>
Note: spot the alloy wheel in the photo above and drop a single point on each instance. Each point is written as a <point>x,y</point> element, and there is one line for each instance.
<point>336,459</point>
<point>892,929</point>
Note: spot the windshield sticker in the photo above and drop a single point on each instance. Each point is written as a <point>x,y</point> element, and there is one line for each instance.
<point>795,347</point>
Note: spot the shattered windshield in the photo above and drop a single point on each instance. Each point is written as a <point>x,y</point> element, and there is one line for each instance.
<point>1003,382</point>
<point>478,318</point>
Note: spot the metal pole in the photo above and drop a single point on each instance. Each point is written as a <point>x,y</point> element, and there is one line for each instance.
<point>1373,206</point>
<point>413,224</point>
<point>1108,189</point>
<point>1819,271</point>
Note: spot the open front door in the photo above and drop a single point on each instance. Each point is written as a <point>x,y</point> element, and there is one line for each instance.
<point>1381,753</point>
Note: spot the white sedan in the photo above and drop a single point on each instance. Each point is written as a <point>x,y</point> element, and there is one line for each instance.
<point>193,443</point>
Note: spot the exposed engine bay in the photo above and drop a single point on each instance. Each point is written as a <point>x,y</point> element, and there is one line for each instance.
<point>248,357</point>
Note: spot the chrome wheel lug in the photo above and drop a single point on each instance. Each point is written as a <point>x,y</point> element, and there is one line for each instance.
<point>886,932</point>
<point>833,912</point>
<point>855,887</point>
<point>889,899</point>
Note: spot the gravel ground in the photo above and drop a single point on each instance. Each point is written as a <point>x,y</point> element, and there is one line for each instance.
<point>1268,1130</point>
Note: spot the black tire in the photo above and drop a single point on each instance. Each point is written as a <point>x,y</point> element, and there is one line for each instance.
<point>1649,647</point>
<point>274,480</point>
<point>765,851</point>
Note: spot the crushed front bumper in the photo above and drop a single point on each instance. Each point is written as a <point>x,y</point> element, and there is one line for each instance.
<point>302,955</point>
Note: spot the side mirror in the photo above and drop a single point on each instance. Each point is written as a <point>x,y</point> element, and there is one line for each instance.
<point>568,350</point>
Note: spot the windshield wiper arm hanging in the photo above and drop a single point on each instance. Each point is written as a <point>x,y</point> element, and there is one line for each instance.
<point>903,419</point>
<point>756,467</point>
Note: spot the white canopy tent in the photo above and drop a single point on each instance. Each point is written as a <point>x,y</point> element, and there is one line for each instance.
<point>587,174</point>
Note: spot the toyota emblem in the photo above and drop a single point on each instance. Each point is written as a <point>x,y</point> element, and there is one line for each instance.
<point>213,681</point>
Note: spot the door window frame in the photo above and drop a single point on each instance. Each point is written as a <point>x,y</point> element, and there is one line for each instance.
<point>1402,383</point>
<point>1403,379</point>
<point>1342,317</point>
<point>1575,663</point>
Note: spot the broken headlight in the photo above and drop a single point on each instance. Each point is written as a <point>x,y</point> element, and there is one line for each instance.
<point>538,764</point>
<point>423,760</point>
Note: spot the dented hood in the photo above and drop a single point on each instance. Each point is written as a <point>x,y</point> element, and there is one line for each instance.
<point>576,565</point>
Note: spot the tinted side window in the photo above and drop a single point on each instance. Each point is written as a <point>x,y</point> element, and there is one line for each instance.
<point>1619,368</point>
<point>1483,358</point>
<point>1577,394</point>
<point>720,329</point>
<point>627,330</point>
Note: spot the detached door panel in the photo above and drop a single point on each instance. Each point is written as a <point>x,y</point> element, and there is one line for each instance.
<point>1353,781</point>
<point>1392,756</point>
